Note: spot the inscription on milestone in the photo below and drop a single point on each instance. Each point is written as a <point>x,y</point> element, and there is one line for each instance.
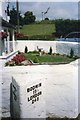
<point>14,92</point>
<point>36,93</point>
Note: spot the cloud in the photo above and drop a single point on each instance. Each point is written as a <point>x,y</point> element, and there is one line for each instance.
<point>66,10</point>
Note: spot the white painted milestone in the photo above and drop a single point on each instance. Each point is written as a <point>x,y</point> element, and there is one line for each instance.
<point>28,96</point>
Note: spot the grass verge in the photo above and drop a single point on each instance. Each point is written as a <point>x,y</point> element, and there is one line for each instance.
<point>46,58</point>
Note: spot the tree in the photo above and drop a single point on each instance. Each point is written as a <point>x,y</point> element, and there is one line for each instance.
<point>26,49</point>
<point>13,17</point>
<point>50,50</point>
<point>46,18</point>
<point>63,27</point>
<point>29,17</point>
<point>71,53</point>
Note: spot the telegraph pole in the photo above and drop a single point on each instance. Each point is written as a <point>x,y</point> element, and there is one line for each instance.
<point>17,7</point>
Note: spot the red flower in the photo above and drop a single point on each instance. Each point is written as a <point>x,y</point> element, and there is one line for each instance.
<point>19,35</point>
<point>18,58</point>
<point>3,34</point>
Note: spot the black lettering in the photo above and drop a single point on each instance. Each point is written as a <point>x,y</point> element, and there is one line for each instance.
<point>32,101</point>
<point>33,87</point>
<point>40,93</point>
<point>36,86</point>
<point>28,99</point>
<point>28,90</point>
<point>39,84</point>
<point>34,96</point>
<point>34,91</point>
<point>31,97</point>
<point>37,98</point>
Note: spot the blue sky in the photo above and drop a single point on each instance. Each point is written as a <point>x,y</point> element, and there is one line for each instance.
<point>65,10</point>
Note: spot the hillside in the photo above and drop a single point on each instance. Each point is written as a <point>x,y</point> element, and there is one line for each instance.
<point>38,29</point>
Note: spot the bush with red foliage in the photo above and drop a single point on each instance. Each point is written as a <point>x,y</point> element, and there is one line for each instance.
<point>3,35</point>
<point>18,58</point>
<point>19,35</point>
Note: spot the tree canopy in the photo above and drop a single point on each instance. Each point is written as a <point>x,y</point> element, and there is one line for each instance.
<point>63,27</point>
<point>13,17</point>
<point>27,19</point>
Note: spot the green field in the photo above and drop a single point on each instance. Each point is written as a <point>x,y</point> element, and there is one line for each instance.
<point>38,29</point>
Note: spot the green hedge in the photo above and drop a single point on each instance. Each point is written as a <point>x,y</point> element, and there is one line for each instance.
<point>37,37</point>
<point>22,38</point>
<point>63,27</point>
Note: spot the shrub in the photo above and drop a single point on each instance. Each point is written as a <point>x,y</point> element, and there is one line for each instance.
<point>19,52</point>
<point>21,36</point>
<point>57,54</point>
<point>26,49</point>
<point>76,57</point>
<point>10,63</point>
<point>50,50</point>
<point>63,27</point>
<point>3,35</point>
<point>34,52</point>
<point>71,53</point>
<point>36,37</point>
<point>18,59</point>
<point>41,37</point>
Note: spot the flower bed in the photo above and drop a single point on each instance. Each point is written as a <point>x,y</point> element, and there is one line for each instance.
<point>19,59</point>
<point>21,36</point>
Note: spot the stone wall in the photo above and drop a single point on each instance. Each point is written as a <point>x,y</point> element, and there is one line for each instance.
<point>32,45</point>
<point>65,48</point>
<point>57,46</point>
<point>59,89</point>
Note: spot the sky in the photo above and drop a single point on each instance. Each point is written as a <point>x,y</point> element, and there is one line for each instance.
<point>58,9</point>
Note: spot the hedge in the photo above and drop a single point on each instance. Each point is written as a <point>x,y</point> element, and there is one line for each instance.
<point>63,27</point>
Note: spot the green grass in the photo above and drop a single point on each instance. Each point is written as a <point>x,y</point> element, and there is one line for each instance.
<point>38,29</point>
<point>48,58</point>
